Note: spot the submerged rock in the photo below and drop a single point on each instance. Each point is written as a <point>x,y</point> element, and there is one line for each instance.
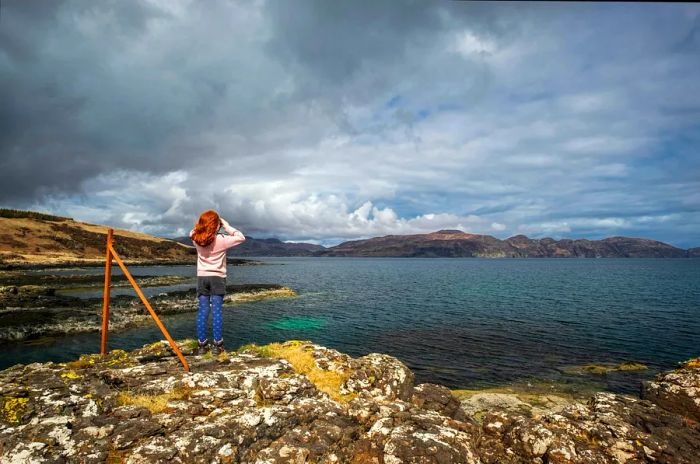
<point>298,402</point>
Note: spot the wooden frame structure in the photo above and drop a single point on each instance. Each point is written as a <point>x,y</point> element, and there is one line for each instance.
<point>111,253</point>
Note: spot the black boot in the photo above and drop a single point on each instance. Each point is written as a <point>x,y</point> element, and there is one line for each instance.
<point>218,347</point>
<point>202,348</point>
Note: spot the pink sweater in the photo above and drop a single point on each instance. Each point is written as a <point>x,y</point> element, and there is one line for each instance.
<point>211,259</point>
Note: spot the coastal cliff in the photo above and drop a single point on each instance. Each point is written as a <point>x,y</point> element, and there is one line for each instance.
<point>297,402</point>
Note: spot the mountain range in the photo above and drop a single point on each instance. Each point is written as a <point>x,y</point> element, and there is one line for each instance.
<point>459,244</point>
<point>28,237</point>
<point>267,247</point>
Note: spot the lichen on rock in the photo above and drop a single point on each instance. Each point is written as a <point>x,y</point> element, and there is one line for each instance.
<point>301,402</point>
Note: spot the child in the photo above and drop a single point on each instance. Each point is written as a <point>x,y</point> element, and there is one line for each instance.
<point>211,274</point>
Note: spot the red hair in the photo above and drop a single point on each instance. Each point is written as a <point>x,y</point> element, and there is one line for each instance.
<point>206,228</point>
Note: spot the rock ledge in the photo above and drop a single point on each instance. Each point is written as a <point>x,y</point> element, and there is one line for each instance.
<point>298,402</point>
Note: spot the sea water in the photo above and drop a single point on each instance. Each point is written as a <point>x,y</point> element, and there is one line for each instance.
<point>460,322</point>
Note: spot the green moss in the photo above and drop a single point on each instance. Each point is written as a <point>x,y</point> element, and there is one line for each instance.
<point>191,344</point>
<point>261,350</point>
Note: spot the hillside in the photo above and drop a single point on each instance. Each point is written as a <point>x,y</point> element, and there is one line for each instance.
<point>34,239</point>
<point>694,252</point>
<point>455,244</point>
<point>273,247</point>
<point>267,247</point>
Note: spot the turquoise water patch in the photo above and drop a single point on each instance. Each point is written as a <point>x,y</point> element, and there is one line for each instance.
<point>296,323</point>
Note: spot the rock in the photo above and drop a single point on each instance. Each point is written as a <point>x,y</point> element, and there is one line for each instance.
<point>478,404</point>
<point>437,398</point>
<point>382,377</point>
<point>677,391</point>
<point>257,406</point>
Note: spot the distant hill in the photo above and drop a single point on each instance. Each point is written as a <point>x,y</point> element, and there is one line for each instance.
<point>694,252</point>
<point>458,244</point>
<point>267,247</point>
<point>28,238</point>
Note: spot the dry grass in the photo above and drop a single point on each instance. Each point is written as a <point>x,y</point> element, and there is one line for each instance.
<point>26,240</point>
<point>303,362</point>
<point>155,403</point>
<point>117,232</point>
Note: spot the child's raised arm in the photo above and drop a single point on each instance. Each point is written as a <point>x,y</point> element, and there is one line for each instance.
<point>234,237</point>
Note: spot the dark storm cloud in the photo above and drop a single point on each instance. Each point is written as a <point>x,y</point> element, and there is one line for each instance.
<point>318,119</point>
<point>47,143</point>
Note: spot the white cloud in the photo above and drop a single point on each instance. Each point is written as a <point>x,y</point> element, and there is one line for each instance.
<point>469,44</point>
<point>545,228</point>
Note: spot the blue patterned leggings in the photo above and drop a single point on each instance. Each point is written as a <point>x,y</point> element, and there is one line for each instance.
<point>203,316</point>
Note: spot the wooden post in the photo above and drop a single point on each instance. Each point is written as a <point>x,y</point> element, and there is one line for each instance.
<point>105,302</point>
<point>162,328</point>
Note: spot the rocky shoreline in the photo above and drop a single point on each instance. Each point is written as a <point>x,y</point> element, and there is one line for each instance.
<point>39,309</point>
<point>297,402</point>
<point>100,263</point>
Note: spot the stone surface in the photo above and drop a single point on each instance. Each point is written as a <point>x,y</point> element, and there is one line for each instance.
<point>677,391</point>
<point>251,407</point>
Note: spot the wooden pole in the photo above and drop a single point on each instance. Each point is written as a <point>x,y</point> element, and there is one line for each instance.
<point>105,302</point>
<point>162,328</point>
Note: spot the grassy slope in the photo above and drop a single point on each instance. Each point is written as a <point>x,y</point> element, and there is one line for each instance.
<point>32,241</point>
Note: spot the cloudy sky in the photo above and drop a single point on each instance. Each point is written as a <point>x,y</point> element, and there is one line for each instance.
<point>323,121</point>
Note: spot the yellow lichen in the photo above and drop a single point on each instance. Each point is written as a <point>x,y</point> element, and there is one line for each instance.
<point>692,363</point>
<point>111,359</point>
<point>70,375</point>
<point>85,360</point>
<point>13,409</point>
